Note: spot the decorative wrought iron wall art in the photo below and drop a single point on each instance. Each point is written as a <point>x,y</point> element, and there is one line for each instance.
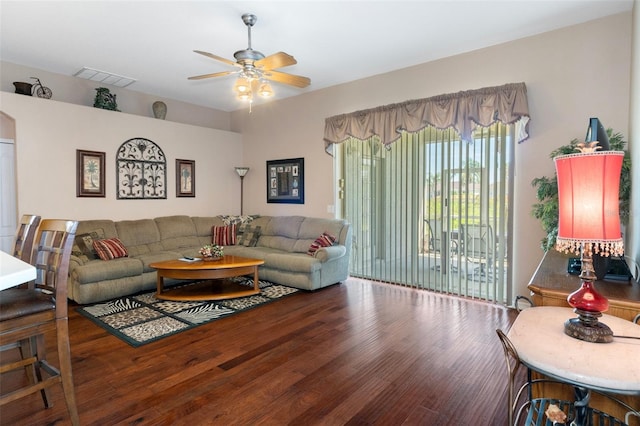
<point>141,170</point>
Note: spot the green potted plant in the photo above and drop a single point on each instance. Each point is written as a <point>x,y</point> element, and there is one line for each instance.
<point>105,99</point>
<point>546,209</point>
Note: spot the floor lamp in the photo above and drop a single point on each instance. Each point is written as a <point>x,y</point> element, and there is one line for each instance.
<point>588,224</point>
<point>242,171</point>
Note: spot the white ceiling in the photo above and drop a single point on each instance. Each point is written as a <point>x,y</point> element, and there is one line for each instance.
<point>333,41</point>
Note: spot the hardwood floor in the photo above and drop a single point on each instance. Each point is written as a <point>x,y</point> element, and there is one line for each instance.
<point>357,353</point>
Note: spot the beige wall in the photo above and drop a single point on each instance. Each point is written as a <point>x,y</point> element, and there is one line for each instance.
<point>571,74</point>
<point>48,132</point>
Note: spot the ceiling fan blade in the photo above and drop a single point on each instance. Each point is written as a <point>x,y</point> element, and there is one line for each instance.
<point>215,74</point>
<point>218,58</point>
<point>291,79</point>
<point>277,60</point>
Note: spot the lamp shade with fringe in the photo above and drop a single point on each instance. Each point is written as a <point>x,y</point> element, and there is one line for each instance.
<point>588,202</point>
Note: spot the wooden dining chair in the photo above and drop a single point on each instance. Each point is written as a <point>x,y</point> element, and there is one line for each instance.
<point>26,314</point>
<point>25,234</point>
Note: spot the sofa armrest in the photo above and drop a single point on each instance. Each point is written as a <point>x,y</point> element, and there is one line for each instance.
<point>325,254</point>
<point>75,261</point>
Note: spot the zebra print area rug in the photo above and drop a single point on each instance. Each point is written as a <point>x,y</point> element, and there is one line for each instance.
<point>142,319</point>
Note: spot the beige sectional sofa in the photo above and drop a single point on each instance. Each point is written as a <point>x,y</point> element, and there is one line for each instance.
<point>283,243</point>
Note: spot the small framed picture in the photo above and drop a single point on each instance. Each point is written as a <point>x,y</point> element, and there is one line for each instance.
<point>185,178</point>
<point>285,181</point>
<point>90,180</point>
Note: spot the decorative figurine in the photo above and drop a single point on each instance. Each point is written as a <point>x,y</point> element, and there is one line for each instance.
<point>105,99</point>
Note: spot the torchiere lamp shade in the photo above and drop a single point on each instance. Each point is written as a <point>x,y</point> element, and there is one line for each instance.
<point>588,202</point>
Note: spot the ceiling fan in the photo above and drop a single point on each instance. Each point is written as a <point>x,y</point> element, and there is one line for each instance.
<point>254,68</point>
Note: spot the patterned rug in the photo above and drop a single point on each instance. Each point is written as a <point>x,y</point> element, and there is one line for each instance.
<point>142,319</point>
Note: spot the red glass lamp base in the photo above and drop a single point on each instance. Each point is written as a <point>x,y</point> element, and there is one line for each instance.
<point>587,298</point>
<point>589,305</point>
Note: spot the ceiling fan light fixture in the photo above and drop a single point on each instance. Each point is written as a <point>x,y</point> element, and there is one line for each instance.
<point>253,69</point>
<point>242,85</point>
<point>265,90</point>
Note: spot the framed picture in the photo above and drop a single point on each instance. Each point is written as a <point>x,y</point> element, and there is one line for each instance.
<point>90,180</point>
<point>285,181</point>
<point>185,178</point>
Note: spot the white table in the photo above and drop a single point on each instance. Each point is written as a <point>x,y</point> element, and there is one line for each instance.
<point>14,271</point>
<point>538,337</point>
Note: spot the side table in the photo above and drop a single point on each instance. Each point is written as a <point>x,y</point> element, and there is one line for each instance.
<point>551,284</point>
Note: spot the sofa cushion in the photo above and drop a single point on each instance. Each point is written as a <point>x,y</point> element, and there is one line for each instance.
<point>109,249</point>
<point>324,240</point>
<point>176,232</point>
<point>97,270</point>
<point>312,227</point>
<point>283,226</point>
<point>106,225</point>
<point>277,242</point>
<point>249,236</point>
<point>204,225</point>
<point>159,256</point>
<point>139,236</point>
<point>292,262</point>
<point>224,235</point>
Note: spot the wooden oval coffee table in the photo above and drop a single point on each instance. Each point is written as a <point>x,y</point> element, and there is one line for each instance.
<point>214,277</point>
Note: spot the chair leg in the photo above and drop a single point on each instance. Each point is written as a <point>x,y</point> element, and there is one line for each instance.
<point>37,349</point>
<point>26,351</point>
<point>64,354</point>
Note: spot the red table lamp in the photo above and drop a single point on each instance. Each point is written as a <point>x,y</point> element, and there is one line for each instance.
<point>589,223</point>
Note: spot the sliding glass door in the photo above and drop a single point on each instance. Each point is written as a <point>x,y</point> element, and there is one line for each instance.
<point>431,211</point>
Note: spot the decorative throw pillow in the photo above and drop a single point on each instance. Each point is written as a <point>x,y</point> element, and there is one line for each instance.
<point>224,235</point>
<point>249,236</point>
<point>110,248</point>
<point>84,244</point>
<point>324,240</point>
<point>238,220</point>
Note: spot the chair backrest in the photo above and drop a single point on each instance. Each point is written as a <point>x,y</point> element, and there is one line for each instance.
<point>478,241</point>
<point>52,252</point>
<point>435,234</point>
<point>25,234</point>
<point>512,361</point>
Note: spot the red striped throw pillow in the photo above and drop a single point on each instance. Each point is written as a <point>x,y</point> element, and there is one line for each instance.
<point>110,248</point>
<point>224,235</point>
<point>324,240</point>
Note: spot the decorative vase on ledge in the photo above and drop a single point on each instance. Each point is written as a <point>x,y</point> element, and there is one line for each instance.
<point>159,110</point>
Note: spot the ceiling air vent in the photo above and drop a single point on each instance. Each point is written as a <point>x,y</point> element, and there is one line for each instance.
<point>104,77</point>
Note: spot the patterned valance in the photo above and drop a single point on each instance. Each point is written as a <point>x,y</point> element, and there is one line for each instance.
<point>462,111</point>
